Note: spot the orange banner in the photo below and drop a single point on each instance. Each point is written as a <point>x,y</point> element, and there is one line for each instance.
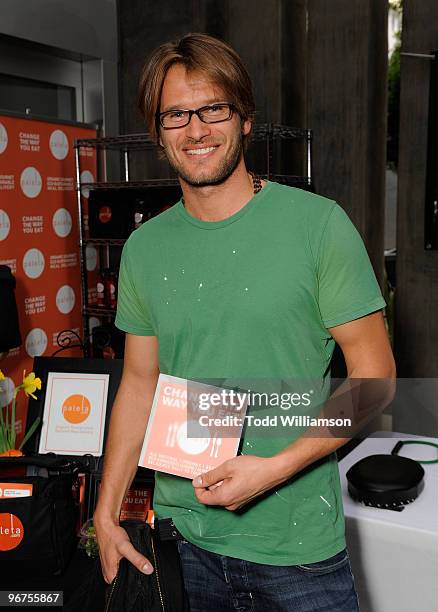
<point>39,237</point>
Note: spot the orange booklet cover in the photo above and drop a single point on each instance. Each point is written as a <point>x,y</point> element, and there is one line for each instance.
<point>193,427</point>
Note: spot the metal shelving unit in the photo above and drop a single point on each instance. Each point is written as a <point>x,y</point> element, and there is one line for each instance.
<point>126,145</point>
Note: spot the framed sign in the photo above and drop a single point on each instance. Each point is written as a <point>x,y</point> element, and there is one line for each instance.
<point>74,413</point>
<point>74,405</point>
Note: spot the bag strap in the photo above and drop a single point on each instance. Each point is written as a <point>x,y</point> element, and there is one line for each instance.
<point>400,443</point>
<point>49,462</point>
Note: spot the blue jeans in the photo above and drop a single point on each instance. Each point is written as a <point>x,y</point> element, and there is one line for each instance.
<point>224,584</point>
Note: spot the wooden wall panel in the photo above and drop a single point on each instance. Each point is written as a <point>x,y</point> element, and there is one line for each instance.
<point>416,330</point>
<point>346,74</point>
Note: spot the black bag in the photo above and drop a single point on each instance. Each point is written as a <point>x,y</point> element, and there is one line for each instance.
<point>10,336</point>
<point>39,531</point>
<point>161,591</point>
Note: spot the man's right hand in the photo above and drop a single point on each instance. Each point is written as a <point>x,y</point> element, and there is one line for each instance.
<point>114,543</point>
<point>129,418</point>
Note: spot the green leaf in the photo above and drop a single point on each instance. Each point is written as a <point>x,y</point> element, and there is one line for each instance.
<point>2,423</point>
<point>3,439</point>
<point>30,432</point>
<point>12,428</point>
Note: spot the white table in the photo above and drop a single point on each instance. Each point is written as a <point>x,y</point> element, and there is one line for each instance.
<point>394,555</point>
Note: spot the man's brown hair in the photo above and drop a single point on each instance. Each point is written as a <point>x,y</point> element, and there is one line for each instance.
<point>197,52</point>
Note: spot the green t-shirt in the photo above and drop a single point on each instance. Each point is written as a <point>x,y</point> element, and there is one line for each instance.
<point>251,297</point>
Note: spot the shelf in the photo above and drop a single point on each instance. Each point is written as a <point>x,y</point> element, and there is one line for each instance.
<point>286,179</point>
<point>262,131</point>
<point>105,241</point>
<point>99,312</point>
<point>130,184</point>
<point>124,142</point>
<point>129,142</point>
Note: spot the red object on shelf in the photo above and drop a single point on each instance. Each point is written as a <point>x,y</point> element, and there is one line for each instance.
<point>108,352</point>
<point>105,214</point>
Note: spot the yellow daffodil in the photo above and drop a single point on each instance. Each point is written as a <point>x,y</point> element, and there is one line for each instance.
<point>30,384</point>
<point>2,377</point>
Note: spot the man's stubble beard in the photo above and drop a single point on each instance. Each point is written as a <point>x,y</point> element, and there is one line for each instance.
<point>218,175</point>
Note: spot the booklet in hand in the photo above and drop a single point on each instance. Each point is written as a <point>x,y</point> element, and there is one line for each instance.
<point>193,427</point>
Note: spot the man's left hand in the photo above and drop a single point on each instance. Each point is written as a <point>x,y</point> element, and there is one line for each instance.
<point>237,481</point>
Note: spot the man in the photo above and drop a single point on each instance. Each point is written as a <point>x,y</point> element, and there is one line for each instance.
<point>238,282</point>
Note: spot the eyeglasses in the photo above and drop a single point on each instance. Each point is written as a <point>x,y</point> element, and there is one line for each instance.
<point>212,113</point>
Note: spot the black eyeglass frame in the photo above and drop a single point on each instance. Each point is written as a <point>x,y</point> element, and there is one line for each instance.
<point>159,116</point>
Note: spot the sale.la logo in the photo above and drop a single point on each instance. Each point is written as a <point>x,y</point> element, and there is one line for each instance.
<point>65,299</point>
<point>76,408</point>
<point>86,177</point>
<point>36,342</point>
<point>58,144</point>
<point>91,258</point>
<point>3,138</point>
<point>62,222</point>
<point>30,182</point>
<point>5,225</point>
<point>11,531</point>
<point>33,263</point>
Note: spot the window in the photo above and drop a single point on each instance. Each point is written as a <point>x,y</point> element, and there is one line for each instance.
<point>28,96</point>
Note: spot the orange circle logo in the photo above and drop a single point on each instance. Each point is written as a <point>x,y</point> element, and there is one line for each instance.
<point>76,408</point>
<point>11,531</point>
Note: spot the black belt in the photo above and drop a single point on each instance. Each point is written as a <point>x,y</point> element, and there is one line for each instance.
<point>166,529</point>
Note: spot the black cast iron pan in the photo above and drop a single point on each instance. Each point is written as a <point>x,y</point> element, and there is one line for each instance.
<point>386,481</point>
